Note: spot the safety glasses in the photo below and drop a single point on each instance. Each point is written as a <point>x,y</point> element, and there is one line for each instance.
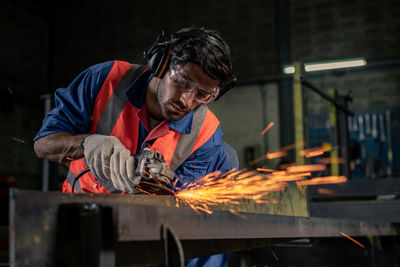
<point>183,82</point>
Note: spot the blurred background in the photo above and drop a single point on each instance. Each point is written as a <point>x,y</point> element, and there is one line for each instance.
<point>352,113</point>
<point>45,44</point>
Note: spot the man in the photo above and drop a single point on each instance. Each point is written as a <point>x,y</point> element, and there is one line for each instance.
<point>115,116</point>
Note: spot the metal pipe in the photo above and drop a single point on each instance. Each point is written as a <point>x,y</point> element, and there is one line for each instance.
<point>325,96</point>
<point>46,163</point>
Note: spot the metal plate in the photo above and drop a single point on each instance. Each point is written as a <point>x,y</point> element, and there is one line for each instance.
<point>139,218</point>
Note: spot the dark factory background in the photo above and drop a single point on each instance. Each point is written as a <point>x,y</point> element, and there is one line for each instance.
<point>45,44</point>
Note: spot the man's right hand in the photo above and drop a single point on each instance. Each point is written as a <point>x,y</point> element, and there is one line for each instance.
<point>109,160</point>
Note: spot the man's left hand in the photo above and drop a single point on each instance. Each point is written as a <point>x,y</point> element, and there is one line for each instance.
<point>152,166</point>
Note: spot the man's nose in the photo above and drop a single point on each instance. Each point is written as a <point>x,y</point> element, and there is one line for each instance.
<point>187,98</point>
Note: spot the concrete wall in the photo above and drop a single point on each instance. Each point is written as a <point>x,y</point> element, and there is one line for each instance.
<point>336,29</point>
<point>109,30</point>
<point>332,29</point>
<point>244,112</point>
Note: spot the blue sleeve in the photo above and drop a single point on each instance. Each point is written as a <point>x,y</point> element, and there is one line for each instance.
<point>74,104</point>
<point>219,260</point>
<point>212,156</point>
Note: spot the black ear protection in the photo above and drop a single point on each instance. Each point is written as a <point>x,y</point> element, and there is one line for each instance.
<point>158,54</point>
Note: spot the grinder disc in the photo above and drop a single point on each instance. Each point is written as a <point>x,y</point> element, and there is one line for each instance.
<point>154,189</point>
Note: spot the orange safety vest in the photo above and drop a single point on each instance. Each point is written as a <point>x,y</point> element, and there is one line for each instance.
<point>114,115</point>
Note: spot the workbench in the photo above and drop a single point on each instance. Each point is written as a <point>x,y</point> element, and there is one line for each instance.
<point>57,229</point>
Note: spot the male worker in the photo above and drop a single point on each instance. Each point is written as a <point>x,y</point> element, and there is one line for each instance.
<point>119,124</point>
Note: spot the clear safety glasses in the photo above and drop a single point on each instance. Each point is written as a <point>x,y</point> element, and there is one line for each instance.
<point>183,82</point>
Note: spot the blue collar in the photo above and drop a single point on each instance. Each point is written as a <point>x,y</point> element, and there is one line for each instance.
<point>184,125</point>
<point>136,96</point>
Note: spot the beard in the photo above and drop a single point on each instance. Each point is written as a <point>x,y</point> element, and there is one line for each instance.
<point>170,108</point>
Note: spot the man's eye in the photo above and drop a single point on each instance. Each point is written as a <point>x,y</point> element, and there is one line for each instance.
<point>181,83</point>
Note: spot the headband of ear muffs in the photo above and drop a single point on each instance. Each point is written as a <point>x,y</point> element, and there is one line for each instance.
<point>158,54</point>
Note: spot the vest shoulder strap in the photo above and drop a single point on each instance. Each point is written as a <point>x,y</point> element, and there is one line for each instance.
<point>117,100</point>
<point>187,142</point>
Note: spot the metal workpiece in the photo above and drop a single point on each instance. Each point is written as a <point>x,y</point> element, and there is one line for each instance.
<point>189,225</point>
<point>140,229</point>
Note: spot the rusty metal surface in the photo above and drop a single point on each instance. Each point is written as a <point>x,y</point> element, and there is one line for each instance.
<point>223,225</point>
<point>139,218</point>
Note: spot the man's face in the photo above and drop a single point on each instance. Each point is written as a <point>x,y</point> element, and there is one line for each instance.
<point>181,91</point>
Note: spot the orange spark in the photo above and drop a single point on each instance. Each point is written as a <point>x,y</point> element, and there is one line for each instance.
<point>234,212</point>
<point>277,154</point>
<point>266,129</point>
<point>245,175</point>
<point>206,210</point>
<point>284,166</point>
<point>307,168</point>
<point>18,140</point>
<point>323,180</point>
<point>217,188</point>
<point>140,189</point>
<point>316,151</point>
<point>9,90</point>
<point>326,191</point>
<point>314,154</point>
<point>352,239</point>
<point>288,177</point>
<point>67,158</point>
<point>108,167</point>
<point>279,173</point>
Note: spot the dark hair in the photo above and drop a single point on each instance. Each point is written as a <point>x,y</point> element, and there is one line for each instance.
<point>214,60</point>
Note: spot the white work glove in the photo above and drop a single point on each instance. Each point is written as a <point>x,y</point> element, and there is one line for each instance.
<point>110,162</point>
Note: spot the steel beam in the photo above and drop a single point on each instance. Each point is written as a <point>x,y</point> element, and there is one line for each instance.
<point>139,221</point>
<point>358,188</point>
<point>371,211</point>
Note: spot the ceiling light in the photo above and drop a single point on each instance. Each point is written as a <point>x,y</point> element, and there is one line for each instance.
<point>327,65</point>
<point>338,64</point>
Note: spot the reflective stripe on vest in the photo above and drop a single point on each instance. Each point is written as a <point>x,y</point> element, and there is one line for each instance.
<point>87,183</point>
<point>176,147</point>
<point>67,186</point>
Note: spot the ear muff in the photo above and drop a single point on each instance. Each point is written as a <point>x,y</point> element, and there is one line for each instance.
<point>157,55</point>
<point>158,62</point>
